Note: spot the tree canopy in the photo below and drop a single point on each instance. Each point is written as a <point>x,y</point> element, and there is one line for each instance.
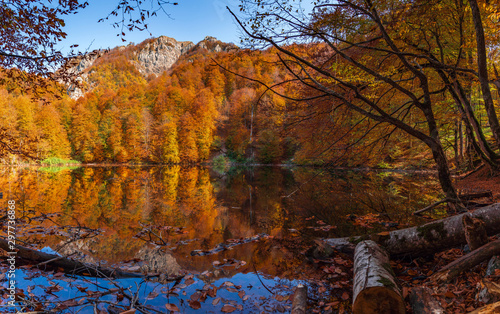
<point>405,65</point>
<point>31,31</point>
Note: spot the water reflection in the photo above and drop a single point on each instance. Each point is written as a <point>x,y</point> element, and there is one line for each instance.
<point>211,208</point>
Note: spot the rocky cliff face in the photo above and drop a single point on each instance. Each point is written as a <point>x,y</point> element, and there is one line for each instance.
<point>158,55</point>
<point>212,44</point>
<point>151,57</point>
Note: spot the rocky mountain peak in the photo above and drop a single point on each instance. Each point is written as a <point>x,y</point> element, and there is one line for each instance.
<point>151,57</point>
<point>214,45</point>
<point>154,56</point>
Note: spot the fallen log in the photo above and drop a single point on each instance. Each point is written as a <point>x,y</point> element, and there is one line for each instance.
<point>488,309</point>
<point>69,266</point>
<point>472,196</point>
<point>466,262</point>
<point>425,239</point>
<point>418,212</point>
<point>374,289</point>
<point>422,301</point>
<point>299,304</point>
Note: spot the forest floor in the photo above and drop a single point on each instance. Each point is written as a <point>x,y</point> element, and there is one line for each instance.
<point>479,181</point>
<point>460,295</point>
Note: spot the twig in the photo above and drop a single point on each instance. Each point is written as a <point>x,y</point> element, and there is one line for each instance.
<point>418,212</point>
<point>257,273</point>
<point>54,259</point>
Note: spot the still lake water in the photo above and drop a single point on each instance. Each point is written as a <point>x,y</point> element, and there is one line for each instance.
<point>191,211</point>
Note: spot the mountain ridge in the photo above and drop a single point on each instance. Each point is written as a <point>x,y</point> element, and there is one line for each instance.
<point>151,57</point>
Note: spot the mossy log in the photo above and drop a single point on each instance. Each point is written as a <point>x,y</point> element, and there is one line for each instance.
<point>374,289</point>
<point>422,301</point>
<point>69,266</point>
<point>428,238</point>
<point>466,262</point>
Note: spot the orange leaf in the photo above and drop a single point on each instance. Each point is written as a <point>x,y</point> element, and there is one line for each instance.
<point>195,304</point>
<point>228,308</point>
<point>172,307</point>
<point>345,296</point>
<point>450,295</point>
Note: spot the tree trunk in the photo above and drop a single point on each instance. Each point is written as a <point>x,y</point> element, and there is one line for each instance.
<point>456,145</point>
<point>483,71</point>
<point>375,289</point>
<point>434,143</point>
<point>445,178</point>
<point>428,238</point>
<point>461,135</point>
<point>422,301</point>
<point>466,262</point>
<point>481,145</point>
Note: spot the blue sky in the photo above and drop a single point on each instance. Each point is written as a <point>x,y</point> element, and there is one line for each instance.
<point>191,20</point>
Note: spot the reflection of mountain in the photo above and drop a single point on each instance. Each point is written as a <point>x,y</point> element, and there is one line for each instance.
<point>247,202</point>
<point>80,249</point>
<point>158,260</point>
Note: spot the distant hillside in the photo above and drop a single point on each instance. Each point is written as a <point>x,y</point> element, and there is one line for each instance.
<point>164,101</point>
<point>151,57</point>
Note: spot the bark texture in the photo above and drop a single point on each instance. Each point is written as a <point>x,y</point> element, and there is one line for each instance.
<point>482,65</point>
<point>374,289</point>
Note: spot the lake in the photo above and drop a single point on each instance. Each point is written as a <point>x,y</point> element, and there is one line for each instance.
<point>222,228</point>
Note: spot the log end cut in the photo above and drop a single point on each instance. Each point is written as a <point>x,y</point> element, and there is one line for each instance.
<point>374,288</point>
<point>378,300</point>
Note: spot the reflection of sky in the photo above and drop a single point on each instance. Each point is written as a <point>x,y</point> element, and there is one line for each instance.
<point>250,283</point>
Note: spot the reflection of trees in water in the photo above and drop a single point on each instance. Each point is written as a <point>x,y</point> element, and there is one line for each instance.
<point>334,196</point>
<point>241,204</point>
<point>276,199</point>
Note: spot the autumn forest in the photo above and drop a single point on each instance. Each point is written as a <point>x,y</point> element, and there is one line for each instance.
<point>185,115</point>
<point>340,148</point>
<point>209,103</point>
